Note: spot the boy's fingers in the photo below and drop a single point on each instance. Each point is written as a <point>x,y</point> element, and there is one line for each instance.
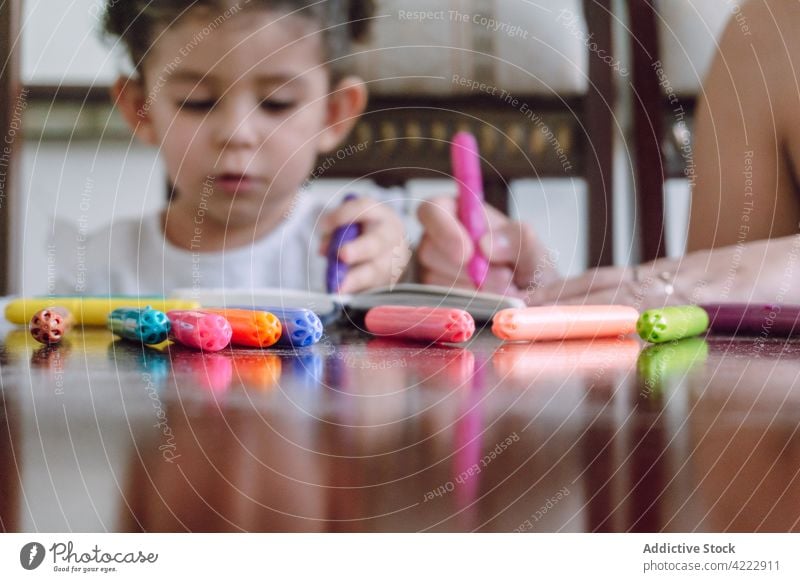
<point>363,276</point>
<point>438,218</point>
<point>359,210</point>
<point>364,248</point>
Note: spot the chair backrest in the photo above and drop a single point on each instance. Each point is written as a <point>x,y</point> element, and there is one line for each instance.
<point>11,105</point>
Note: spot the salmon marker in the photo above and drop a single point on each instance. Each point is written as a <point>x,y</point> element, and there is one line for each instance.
<point>431,324</point>
<point>564,322</point>
<point>203,331</point>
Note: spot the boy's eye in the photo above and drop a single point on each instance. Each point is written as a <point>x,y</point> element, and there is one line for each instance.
<point>277,106</point>
<point>197,104</point>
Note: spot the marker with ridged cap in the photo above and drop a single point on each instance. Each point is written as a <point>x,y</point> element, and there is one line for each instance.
<point>251,328</point>
<point>429,324</point>
<point>672,323</point>
<point>146,325</point>
<point>48,326</point>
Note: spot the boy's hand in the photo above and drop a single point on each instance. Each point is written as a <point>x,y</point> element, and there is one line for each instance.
<point>519,262</point>
<point>376,258</point>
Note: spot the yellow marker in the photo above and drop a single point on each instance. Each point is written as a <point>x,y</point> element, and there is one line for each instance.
<point>90,310</point>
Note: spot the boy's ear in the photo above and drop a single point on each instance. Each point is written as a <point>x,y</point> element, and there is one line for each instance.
<point>128,95</point>
<point>345,104</point>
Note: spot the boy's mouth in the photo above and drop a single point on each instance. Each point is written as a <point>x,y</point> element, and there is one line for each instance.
<point>233,183</point>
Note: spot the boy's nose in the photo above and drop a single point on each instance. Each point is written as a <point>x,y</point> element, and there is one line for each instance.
<point>237,127</point>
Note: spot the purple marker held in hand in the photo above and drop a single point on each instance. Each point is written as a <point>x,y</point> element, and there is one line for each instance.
<point>337,270</point>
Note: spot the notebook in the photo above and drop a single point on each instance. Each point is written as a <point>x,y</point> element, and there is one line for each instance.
<point>482,306</point>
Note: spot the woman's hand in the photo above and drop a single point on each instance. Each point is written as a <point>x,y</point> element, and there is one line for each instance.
<point>519,262</point>
<point>762,271</point>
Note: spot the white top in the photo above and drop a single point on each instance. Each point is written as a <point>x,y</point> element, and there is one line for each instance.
<point>133,257</point>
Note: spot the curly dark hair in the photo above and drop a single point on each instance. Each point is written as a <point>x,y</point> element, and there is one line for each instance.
<point>137,22</point>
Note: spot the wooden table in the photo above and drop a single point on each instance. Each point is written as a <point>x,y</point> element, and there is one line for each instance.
<point>362,434</point>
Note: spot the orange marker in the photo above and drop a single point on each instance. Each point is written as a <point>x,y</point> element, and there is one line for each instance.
<point>256,329</point>
<point>564,322</point>
<point>48,326</point>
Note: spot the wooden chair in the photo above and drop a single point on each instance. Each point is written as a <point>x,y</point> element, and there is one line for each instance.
<point>10,95</point>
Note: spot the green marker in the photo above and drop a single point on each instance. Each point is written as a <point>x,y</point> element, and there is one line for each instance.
<point>671,323</point>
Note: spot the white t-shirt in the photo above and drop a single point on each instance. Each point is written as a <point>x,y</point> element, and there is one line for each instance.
<point>133,257</point>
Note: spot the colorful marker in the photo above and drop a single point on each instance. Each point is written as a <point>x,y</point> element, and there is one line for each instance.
<point>564,322</point>
<point>200,330</point>
<point>337,269</point>
<point>753,319</point>
<point>430,324</point>
<point>466,163</point>
<point>251,328</point>
<point>48,326</point>
<point>300,328</point>
<point>92,311</point>
<point>672,323</point>
<point>140,324</point>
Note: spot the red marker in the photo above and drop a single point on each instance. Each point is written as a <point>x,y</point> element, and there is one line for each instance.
<point>430,324</point>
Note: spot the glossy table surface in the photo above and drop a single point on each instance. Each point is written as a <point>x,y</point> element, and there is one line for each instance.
<point>367,434</point>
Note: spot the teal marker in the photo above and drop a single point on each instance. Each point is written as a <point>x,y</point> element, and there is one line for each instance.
<point>146,325</point>
<point>672,323</point>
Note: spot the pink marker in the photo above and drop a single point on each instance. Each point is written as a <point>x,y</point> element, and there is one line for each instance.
<point>466,163</point>
<point>203,331</point>
<point>429,324</point>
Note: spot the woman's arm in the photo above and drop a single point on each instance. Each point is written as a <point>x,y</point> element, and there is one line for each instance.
<point>749,105</point>
<point>766,271</point>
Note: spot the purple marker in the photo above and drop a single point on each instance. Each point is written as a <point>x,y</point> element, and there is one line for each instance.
<point>754,319</point>
<point>337,270</point>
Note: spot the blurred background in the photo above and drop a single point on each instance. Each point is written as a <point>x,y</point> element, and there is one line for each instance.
<point>584,118</point>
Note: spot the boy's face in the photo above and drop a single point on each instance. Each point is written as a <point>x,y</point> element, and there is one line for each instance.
<point>240,109</point>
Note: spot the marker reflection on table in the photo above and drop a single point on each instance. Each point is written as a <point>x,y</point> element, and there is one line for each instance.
<point>531,361</point>
<point>660,364</point>
<point>256,370</point>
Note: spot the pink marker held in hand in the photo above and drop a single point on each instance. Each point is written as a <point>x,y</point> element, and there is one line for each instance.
<point>466,163</point>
